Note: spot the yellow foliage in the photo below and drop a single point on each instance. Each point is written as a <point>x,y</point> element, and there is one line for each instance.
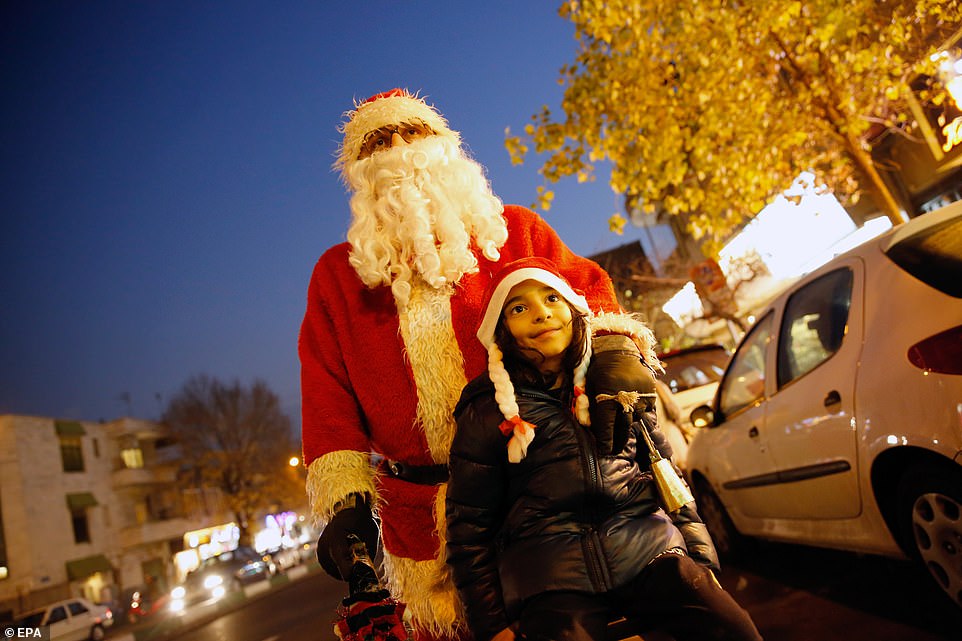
<point>616,224</point>
<point>712,110</point>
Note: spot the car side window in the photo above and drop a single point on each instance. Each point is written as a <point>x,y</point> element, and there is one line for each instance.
<point>57,614</point>
<point>814,325</point>
<point>76,607</point>
<point>744,382</point>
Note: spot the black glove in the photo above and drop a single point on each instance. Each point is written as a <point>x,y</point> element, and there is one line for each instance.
<point>334,547</point>
<point>616,366</point>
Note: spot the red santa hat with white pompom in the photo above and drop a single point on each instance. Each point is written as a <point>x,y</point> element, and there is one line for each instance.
<point>380,110</point>
<point>543,271</point>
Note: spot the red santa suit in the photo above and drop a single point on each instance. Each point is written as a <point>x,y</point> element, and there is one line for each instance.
<point>376,380</point>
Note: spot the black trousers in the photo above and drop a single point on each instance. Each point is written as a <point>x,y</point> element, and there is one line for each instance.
<point>673,594</point>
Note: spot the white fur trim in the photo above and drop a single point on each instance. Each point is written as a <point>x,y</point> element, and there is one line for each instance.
<point>335,476</point>
<point>393,110</point>
<point>624,323</point>
<point>436,363</point>
<point>492,313</point>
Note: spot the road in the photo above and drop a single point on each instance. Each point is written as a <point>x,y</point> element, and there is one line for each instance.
<point>793,593</point>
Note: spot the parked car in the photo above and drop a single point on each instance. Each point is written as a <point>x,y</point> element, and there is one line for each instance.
<point>69,620</point>
<point>838,421</point>
<point>220,575</point>
<point>285,558</point>
<point>139,602</point>
<point>692,374</point>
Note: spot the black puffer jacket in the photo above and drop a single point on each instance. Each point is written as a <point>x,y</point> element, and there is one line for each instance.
<point>564,518</point>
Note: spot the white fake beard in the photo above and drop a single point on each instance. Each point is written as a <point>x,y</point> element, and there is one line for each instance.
<point>415,210</point>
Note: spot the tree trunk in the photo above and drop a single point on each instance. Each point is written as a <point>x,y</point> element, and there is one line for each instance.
<point>885,199</point>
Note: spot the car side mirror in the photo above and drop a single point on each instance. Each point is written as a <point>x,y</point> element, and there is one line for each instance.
<point>703,416</point>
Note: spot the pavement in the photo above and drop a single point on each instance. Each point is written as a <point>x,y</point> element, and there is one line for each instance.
<point>167,627</point>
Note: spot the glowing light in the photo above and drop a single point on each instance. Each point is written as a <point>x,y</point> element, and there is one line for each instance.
<point>213,581</point>
<point>892,439</point>
<point>294,462</point>
<point>684,306</point>
<point>952,133</point>
<point>954,87</point>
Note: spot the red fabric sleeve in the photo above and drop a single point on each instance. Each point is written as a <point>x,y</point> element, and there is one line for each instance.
<point>331,418</point>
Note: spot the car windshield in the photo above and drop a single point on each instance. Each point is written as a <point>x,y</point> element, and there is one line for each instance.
<point>688,369</point>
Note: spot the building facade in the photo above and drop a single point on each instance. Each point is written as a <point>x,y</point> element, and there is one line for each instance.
<point>88,509</point>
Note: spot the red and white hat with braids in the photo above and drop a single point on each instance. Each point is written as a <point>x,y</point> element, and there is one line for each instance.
<point>543,271</point>
<point>381,110</point>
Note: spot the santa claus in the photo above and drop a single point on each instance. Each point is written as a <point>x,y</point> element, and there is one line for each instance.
<point>388,341</point>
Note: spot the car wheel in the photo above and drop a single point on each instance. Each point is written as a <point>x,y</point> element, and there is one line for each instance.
<point>728,541</point>
<point>97,633</point>
<point>930,518</point>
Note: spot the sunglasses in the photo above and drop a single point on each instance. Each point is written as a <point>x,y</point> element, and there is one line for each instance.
<point>380,138</point>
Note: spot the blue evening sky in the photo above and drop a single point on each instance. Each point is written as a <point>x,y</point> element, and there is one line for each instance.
<point>166,185</point>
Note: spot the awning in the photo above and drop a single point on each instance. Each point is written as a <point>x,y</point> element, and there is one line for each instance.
<point>80,501</point>
<point>82,568</point>
<point>69,428</point>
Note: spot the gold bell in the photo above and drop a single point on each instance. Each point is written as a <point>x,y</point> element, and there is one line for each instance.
<point>674,492</point>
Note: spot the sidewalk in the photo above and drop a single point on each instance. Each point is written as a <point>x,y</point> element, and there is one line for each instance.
<point>166,627</point>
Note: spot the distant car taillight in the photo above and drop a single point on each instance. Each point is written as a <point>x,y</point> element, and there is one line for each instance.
<point>941,353</point>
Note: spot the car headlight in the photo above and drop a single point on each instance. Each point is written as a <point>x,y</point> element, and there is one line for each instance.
<point>176,605</point>
<point>178,593</point>
<point>213,581</point>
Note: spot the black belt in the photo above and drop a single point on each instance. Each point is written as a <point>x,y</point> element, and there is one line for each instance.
<point>420,474</point>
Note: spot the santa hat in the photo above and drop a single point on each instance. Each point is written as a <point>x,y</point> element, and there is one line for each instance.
<point>543,271</point>
<point>380,110</point>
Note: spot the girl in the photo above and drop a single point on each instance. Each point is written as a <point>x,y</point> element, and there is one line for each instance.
<point>550,533</point>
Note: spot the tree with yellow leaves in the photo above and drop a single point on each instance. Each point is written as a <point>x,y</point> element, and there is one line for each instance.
<point>711,108</point>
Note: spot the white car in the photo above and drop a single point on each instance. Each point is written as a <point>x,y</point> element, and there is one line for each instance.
<point>690,379</point>
<point>692,374</point>
<point>838,421</point>
<point>70,620</point>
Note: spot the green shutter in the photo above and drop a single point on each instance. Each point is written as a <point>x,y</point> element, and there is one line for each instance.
<point>80,501</point>
<point>69,428</point>
<point>82,568</point>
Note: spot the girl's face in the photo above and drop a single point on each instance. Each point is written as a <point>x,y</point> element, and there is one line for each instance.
<point>539,319</point>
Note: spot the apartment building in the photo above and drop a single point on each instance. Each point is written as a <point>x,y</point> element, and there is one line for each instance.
<point>90,508</point>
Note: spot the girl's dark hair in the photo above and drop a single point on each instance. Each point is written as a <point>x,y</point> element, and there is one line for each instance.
<point>520,362</point>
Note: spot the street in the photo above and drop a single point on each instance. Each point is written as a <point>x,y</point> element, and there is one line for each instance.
<point>793,593</point>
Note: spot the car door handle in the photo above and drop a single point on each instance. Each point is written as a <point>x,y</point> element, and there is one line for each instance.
<point>832,398</point>
<point>753,433</point>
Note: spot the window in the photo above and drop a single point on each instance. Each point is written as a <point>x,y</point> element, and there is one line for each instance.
<point>745,382</point>
<point>96,444</point>
<point>690,368</point>
<point>57,614</point>
<point>71,451</point>
<point>131,453</point>
<point>814,325</point>
<point>76,607</point>
<point>81,528</point>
